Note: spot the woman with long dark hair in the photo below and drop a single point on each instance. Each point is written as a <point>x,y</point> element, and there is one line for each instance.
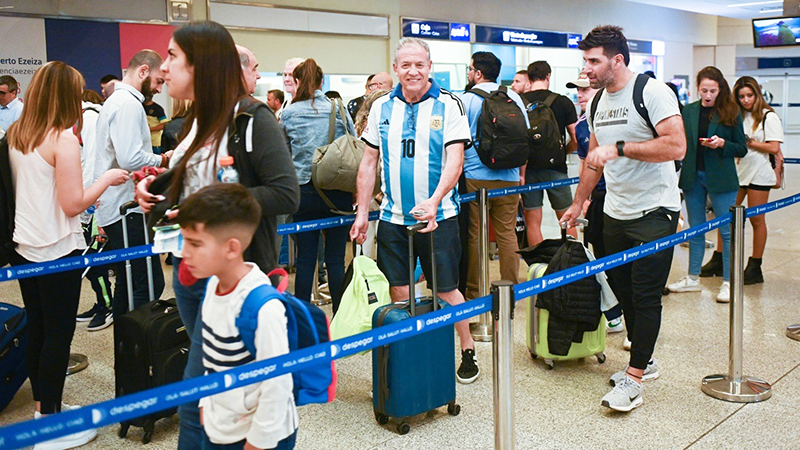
<point>714,137</point>
<point>45,169</point>
<point>203,66</point>
<point>306,122</point>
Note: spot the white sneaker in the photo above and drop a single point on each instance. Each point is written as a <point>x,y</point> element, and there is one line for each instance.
<point>685,284</point>
<point>69,441</point>
<point>724,295</point>
<point>615,326</point>
<point>626,344</point>
<point>625,396</point>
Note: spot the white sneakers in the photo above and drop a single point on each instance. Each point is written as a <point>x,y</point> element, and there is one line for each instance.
<point>724,295</point>
<point>686,284</point>
<point>615,325</point>
<point>69,441</point>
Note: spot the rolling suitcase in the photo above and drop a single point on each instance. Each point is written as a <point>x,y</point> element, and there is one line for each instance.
<point>13,341</point>
<point>151,346</point>
<point>414,375</point>
<point>592,344</point>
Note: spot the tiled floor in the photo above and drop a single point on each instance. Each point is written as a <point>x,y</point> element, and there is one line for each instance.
<point>559,408</point>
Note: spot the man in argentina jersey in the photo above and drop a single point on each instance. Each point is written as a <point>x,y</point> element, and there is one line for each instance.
<point>417,133</point>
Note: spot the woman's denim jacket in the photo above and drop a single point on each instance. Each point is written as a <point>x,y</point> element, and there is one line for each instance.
<point>306,128</point>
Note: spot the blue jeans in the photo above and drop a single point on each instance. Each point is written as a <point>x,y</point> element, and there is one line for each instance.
<point>721,203</point>
<point>284,444</point>
<point>190,299</point>
<point>312,207</point>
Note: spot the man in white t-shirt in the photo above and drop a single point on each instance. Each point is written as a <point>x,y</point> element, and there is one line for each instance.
<point>642,202</point>
<point>418,133</point>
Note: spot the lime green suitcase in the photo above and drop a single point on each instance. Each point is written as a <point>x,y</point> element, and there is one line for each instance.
<point>593,344</point>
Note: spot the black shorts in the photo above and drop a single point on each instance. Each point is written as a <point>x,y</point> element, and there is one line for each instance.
<point>757,187</point>
<point>393,253</point>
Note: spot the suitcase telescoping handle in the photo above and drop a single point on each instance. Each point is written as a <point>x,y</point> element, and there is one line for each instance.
<point>579,222</point>
<point>412,291</point>
<point>123,211</point>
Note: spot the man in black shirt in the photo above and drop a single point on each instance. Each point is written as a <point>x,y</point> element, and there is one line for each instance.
<point>567,117</point>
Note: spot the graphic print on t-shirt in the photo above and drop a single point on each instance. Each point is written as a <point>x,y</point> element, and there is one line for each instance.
<point>617,116</point>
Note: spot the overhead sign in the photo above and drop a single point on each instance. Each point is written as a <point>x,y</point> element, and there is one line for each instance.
<point>636,46</point>
<point>429,29</point>
<point>573,40</point>
<point>516,36</point>
<point>426,29</point>
<point>460,32</point>
<point>24,49</point>
<point>778,63</point>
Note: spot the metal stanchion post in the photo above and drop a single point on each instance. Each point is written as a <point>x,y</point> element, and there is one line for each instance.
<point>503,364</point>
<point>482,330</point>
<point>733,386</point>
<point>793,332</point>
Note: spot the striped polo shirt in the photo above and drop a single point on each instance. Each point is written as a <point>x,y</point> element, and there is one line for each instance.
<point>411,141</point>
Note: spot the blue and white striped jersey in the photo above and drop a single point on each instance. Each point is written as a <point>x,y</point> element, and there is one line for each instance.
<point>411,141</point>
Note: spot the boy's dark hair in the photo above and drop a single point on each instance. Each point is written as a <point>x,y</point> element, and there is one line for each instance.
<point>108,78</point>
<point>220,205</point>
<point>538,70</point>
<point>488,64</point>
<point>612,40</point>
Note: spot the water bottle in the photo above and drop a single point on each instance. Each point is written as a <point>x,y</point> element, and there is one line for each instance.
<point>91,210</point>
<point>227,173</point>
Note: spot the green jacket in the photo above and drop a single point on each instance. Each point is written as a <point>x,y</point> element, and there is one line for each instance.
<point>720,167</point>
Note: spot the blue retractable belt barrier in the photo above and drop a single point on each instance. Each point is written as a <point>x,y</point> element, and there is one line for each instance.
<point>146,402</point>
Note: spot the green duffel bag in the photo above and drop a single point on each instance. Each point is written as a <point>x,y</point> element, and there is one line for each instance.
<point>365,290</point>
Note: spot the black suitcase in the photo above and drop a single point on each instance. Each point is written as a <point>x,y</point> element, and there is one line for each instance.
<point>151,348</point>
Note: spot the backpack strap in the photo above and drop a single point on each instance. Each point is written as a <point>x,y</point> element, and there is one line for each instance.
<point>247,320</point>
<point>480,93</point>
<point>593,109</point>
<point>638,101</point>
<point>550,99</point>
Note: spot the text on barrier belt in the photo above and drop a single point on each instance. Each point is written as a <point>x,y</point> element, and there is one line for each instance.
<point>163,397</point>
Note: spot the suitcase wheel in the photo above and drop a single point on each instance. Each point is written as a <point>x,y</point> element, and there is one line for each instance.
<point>453,409</point>
<point>149,428</point>
<point>382,419</point>
<point>148,435</point>
<point>550,364</point>
<point>533,356</point>
<point>601,358</point>
<point>123,430</point>
<point>403,428</point>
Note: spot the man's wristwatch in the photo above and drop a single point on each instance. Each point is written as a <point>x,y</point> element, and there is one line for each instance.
<point>620,147</point>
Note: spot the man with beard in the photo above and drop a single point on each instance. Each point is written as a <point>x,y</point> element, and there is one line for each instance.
<point>482,75</point>
<point>123,141</point>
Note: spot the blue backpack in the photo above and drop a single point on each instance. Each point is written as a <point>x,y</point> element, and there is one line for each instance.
<point>307,326</point>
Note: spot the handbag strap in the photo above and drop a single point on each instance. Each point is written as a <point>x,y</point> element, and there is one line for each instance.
<point>332,123</point>
<point>343,114</point>
<point>324,197</point>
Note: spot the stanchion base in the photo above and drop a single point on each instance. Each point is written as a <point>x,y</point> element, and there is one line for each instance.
<point>77,362</point>
<point>793,332</point>
<point>745,390</point>
<point>481,332</point>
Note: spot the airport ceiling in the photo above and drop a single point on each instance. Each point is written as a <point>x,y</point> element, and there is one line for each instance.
<point>738,9</point>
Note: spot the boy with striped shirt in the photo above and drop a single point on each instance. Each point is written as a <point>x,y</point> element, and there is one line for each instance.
<point>217,223</point>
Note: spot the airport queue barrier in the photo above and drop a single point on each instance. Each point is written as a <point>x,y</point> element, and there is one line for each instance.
<point>138,404</point>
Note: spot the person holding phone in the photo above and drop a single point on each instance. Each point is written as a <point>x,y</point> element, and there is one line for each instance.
<point>714,137</point>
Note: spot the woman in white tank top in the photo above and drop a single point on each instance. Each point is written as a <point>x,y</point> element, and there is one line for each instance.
<point>45,162</point>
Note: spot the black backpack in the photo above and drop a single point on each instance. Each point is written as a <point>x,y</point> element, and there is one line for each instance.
<point>7,206</point>
<point>502,131</point>
<point>544,136</point>
<point>638,103</point>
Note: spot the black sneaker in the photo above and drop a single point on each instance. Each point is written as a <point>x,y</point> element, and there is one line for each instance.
<point>103,319</point>
<point>469,371</point>
<point>88,315</point>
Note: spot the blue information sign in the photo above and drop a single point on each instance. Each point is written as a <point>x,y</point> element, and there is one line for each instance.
<point>427,29</point>
<point>459,32</point>
<point>573,40</point>
<point>778,63</point>
<point>516,36</point>
<point>640,46</point>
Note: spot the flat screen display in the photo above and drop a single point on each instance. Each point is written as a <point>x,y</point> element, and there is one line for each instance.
<point>776,32</point>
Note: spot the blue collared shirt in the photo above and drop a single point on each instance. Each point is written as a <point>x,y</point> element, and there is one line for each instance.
<point>474,169</point>
<point>10,113</point>
<point>306,128</point>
